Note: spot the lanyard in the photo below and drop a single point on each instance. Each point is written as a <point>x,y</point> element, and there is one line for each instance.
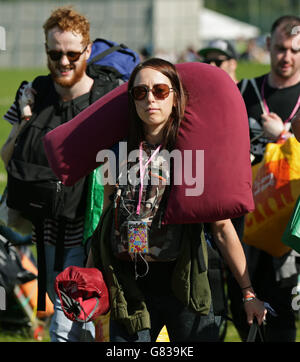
<point>142,173</point>
<point>267,107</point>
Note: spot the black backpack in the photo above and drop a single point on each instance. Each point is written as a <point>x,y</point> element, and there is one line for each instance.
<point>32,186</point>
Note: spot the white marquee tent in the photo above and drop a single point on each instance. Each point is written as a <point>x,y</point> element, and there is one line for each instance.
<point>214,25</point>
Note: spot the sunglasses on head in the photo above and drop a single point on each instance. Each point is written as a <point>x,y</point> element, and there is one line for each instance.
<point>56,55</point>
<point>218,62</point>
<point>160,91</point>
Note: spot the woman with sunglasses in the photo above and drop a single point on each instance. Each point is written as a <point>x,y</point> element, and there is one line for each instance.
<point>155,295</point>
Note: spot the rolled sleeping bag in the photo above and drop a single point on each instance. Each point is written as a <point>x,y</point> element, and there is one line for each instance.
<point>213,140</point>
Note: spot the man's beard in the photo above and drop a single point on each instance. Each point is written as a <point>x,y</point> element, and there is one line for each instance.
<point>282,74</point>
<point>78,72</point>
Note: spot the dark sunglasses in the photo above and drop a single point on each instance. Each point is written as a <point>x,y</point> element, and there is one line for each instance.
<point>56,55</point>
<point>160,91</point>
<point>218,62</point>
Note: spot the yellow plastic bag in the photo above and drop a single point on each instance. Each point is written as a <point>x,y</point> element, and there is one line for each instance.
<point>163,335</point>
<point>276,188</point>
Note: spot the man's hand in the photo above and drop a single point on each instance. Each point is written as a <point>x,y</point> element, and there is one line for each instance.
<point>272,125</point>
<point>26,100</point>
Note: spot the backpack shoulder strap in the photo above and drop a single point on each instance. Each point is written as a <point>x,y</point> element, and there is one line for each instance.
<point>42,84</point>
<point>252,81</point>
<point>41,280</point>
<point>101,87</point>
<point>254,85</point>
<point>244,85</point>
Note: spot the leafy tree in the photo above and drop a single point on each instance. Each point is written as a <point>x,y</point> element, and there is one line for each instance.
<point>261,13</point>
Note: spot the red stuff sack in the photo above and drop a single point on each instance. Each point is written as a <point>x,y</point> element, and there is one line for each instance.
<point>82,293</point>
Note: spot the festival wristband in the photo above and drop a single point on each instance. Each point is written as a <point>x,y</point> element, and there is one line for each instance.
<point>245,300</point>
<point>248,297</point>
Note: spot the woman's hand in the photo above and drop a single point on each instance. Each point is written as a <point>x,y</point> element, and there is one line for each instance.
<point>254,308</point>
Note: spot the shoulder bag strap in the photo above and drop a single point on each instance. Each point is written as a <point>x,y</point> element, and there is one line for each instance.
<point>254,85</point>
<point>41,261</point>
<point>253,82</point>
<point>253,332</point>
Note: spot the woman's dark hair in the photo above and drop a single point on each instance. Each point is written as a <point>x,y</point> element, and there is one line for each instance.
<point>135,131</point>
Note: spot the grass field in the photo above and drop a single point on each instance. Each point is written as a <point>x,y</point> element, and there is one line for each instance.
<point>10,80</point>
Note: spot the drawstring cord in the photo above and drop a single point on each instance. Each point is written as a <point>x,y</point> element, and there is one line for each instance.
<point>137,275</point>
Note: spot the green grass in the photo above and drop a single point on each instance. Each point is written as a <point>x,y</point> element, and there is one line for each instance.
<point>250,70</point>
<point>21,335</point>
<point>10,80</point>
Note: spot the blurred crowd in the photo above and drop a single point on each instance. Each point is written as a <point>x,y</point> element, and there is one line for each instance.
<point>253,50</point>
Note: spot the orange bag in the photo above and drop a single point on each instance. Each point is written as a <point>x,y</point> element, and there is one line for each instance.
<point>30,290</point>
<point>276,188</point>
